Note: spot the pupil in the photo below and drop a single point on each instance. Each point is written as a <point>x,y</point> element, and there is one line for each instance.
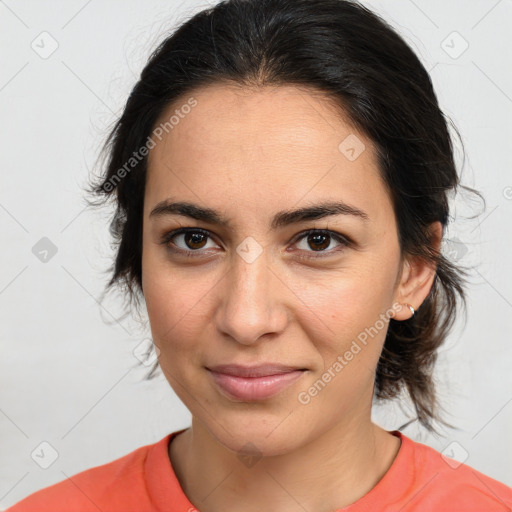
<point>191,239</point>
<point>317,240</point>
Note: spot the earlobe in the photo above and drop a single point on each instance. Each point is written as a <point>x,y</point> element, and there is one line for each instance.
<point>417,278</point>
<point>411,309</point>
<point>414,291</point>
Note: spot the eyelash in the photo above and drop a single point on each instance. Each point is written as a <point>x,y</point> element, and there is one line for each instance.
<point>343,240</point>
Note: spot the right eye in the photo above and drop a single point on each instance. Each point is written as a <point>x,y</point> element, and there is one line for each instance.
<point>189,241</point>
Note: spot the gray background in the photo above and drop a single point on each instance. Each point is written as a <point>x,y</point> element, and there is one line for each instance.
<point>68,374</point>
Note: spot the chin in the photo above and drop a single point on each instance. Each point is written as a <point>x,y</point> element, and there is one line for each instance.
<point>265,436</point>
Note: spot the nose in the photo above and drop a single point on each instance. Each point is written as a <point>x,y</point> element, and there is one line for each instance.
<point>252,301</point>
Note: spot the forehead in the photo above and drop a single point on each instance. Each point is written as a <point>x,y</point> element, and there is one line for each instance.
<point>229,117</point>
<point>270,144</point>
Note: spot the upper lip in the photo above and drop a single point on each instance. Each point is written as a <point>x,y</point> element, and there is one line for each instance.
<point>261,370</point>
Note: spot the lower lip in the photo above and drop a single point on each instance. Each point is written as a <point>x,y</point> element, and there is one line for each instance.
<point>254,388</point>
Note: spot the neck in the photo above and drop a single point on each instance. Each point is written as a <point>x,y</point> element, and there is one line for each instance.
<point>336,469</point>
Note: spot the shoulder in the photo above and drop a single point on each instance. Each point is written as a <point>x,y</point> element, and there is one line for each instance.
<point>442,483</point>
<point>116,485</point>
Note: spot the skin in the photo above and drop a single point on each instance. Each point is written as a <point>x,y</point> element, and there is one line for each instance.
<point>250,153</point>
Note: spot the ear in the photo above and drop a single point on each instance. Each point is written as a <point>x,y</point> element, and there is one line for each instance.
<point>417,277</point>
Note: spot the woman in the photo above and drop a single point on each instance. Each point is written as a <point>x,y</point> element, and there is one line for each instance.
<point>281,173</point>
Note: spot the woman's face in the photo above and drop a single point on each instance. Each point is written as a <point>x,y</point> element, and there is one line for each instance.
<point>257,289</point>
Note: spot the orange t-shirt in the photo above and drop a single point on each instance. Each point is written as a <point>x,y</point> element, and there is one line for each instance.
<point>144,481</point>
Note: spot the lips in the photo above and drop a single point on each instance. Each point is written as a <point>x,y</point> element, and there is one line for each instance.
<point>253,383</point>
<point>262,370</point>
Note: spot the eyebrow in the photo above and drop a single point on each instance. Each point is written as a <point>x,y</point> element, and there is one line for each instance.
<point>280,219</point>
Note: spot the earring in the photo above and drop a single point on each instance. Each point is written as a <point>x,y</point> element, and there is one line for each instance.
<point>410,307</point>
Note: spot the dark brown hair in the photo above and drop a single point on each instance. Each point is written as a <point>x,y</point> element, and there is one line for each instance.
<point>342,49</point>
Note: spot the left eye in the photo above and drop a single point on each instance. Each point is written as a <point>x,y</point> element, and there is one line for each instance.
<point>320,240</point>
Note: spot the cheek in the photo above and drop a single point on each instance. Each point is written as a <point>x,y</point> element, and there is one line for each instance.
<point>350,310</point>
<point>176,307</point>
<point>348,348</point>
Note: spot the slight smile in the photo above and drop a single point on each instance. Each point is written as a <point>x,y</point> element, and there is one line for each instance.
<point>254,383</point>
